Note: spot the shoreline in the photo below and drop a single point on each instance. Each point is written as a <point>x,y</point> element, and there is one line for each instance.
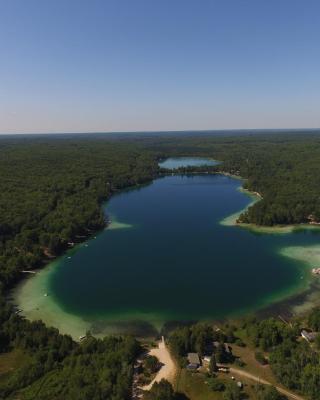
<point>307,296</point>
<point>231,220</point>
<point>78,325</point>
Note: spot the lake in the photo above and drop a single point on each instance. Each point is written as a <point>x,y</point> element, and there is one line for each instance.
<point>166,257</point>
<point>176,162</point>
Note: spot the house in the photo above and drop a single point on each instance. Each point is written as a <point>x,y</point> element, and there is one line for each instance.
<point>309,336</point>
<point>194,361</point>
<point>226,347</point>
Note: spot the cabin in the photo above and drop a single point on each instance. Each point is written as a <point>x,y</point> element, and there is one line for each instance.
<point>194,361</point>
<point>309,336</point>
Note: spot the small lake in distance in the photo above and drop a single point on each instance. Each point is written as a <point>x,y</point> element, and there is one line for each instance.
<point>177,162</point>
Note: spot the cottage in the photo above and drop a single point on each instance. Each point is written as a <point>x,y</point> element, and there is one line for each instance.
<point>194,361</point>
<point>309,336</point>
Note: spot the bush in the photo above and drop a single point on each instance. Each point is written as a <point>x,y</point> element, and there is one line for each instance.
<point>239,362</point>
<point>160,391</point>
<point>232,392</point>
<point>216,385</point>
<point>151,364</point>
<point>260,358</point>
<point>269,393</point>
<point>240,343</point>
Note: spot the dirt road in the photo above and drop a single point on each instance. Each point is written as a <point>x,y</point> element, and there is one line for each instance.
<point>248,375</point>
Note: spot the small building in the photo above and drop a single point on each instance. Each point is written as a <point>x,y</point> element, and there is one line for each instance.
<point>194,361</point>
<point>225,346</point>
<point>240,385</point>
<point>309,336</point>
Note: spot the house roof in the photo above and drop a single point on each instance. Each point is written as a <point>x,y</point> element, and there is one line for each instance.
<point>193,358</point>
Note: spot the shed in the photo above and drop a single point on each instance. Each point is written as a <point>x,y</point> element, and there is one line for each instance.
<point>194,361</point>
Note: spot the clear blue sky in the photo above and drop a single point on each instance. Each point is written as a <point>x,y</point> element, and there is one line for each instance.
<point>124,65</point>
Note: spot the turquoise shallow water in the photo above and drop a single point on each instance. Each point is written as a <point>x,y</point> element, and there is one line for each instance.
<point>166,257</point>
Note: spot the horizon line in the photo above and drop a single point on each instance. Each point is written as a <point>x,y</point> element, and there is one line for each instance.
<point>160,131</point>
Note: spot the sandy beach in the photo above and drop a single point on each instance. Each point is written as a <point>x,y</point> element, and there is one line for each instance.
<point>168,369</point>
<point>231,220</point>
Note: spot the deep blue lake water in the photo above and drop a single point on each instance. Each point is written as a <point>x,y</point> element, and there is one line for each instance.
<point>166,257</point>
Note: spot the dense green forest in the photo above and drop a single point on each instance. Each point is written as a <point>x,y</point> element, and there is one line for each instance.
<point>51,194</point>
<point>51,190</point>
<point>55,367</point>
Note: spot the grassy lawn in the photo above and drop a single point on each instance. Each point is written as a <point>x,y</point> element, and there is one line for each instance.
<point>252,365</point>
<point>194,387</point>
<point>9,362</point>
